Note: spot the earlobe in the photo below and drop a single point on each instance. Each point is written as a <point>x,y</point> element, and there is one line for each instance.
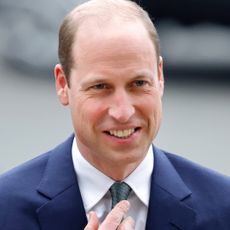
<point>61,85</point>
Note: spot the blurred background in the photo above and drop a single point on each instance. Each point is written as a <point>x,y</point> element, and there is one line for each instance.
<point>195,45</point>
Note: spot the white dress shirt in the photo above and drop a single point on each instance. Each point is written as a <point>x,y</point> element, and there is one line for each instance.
<point>94,187</point>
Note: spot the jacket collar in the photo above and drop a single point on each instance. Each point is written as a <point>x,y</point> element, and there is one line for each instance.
<point>64,208</point>
<point>169,205</point>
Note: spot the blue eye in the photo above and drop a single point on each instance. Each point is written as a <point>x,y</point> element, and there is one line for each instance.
<point>139,83</point>
<point>99,86</point>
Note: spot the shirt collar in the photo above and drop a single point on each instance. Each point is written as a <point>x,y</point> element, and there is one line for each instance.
<point>140,179</point>
<point>93,184</point>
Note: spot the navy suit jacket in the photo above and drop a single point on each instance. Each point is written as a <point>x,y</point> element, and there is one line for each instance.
<point>44,194</point>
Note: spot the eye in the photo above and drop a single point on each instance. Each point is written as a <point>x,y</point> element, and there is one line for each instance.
<point>140,83</point>
<point>99,86</point>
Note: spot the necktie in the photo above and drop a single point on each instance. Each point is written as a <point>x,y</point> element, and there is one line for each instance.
<point>119,191</point>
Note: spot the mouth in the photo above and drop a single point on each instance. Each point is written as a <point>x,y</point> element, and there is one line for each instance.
<point>124,133</point>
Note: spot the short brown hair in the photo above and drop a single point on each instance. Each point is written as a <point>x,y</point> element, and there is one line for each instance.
<point>102,10</point>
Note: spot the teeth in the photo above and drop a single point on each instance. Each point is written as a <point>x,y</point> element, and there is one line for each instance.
<point>122,133</point>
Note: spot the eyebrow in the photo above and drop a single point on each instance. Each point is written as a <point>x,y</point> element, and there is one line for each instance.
<point>143,74</point>
<point>97,79</point>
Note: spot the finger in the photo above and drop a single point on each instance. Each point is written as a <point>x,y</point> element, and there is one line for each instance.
<point>127,224</point>
<point>114,218</point>
<point>93,222</point>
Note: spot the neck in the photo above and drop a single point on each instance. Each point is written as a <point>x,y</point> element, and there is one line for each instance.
<point>117,171</point>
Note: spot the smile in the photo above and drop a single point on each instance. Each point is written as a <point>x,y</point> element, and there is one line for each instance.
<point>121,133</point>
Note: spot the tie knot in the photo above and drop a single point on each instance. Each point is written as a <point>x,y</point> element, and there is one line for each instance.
<point>119,191</point>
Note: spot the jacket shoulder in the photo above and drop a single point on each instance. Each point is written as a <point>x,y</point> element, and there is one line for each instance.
<point>19,188</point>
<point>19,183</point>
<point>195,173</point>
<point>209,192</point>
<point>18,192</point>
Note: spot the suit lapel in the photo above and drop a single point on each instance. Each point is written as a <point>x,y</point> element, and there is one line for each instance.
<point>63,208</point>
<point>169,206</point>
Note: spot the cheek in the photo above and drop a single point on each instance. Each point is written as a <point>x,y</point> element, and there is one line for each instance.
<point>151,111</point>
<point>89,111</point>
<point>151,105</point>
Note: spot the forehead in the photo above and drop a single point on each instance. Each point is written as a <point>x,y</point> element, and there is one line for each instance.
<point>98,39</point>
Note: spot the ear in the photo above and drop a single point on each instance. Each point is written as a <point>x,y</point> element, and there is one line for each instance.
<point>61,85</point>
<point>161,75</point>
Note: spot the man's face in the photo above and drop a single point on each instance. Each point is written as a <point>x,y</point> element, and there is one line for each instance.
<point>115,94</point>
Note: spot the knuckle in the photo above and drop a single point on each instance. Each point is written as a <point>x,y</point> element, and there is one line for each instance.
<point>127,224</point>
<point>116,217</point>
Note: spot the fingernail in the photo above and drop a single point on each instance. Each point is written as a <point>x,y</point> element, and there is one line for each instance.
<point>125,205</point>
<point>131,221</point>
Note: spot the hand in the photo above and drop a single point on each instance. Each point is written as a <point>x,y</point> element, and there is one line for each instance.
<point>114,220</point>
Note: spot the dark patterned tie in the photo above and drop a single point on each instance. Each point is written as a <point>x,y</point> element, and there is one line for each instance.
<point>119,191</point>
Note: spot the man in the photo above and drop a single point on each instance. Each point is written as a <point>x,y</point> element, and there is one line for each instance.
<point>111,77</point>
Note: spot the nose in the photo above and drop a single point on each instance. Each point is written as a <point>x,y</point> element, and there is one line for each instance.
<point>121,107</point>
